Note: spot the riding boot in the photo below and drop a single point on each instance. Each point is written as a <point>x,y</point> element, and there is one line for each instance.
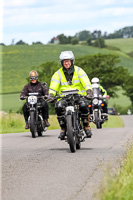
<point>47,123</point>
<point>27,126</point>
<point>88,129</point>
<point>61,121</point>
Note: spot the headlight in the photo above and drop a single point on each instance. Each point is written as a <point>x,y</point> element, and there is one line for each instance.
<point>95,101</point>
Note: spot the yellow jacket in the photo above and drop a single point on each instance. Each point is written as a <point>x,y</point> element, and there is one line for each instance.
<point>80,81</point>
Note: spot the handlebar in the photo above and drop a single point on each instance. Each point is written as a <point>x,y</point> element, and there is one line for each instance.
<point>39,97</point>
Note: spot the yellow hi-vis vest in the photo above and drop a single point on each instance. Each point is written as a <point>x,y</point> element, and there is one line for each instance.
<point>80,81</point>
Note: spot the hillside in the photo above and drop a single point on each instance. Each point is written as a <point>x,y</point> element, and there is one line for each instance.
<point>18,60</point>
<point>124,44</point>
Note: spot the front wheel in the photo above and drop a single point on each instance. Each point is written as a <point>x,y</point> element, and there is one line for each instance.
<point>70,134</point>
<point>33,124</point>
<point>97,122</point>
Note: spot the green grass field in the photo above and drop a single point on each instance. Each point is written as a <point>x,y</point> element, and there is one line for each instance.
<point>124,44</point>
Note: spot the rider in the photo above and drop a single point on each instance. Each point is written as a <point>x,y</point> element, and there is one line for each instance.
<point>102,92</point>
<point>69,77</point>
<point>35,86</point>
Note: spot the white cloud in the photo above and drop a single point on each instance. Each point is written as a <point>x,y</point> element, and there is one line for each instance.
<point>53,17</point>
<point>19,3</point>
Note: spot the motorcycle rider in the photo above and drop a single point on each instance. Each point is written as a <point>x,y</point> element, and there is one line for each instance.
<point>69,77</point>
<point>35,86</point>
<point>103,93</point>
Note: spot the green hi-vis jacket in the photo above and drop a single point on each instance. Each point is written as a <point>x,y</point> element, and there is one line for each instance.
<point>102,90</point>
<point>80,81</point>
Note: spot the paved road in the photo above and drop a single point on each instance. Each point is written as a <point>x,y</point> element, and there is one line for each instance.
<point>44,169</point>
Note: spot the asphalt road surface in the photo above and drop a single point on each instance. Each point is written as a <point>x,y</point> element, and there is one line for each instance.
<point>43,168</point>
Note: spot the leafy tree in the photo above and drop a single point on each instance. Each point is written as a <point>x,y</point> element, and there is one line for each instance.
<point>128,87</point>
<point>99,42</point>
<point>83,35</point>
<point>74,40</point>
<point>104,66</point>
<point>20,42</point>
<point>63,39</point>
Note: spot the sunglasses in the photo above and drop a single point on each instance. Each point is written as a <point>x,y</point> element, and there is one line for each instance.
<point>33,78</point>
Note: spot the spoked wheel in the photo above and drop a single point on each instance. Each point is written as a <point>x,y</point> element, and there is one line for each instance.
<point>98,124</point>
<point>32,124</point>
<point>70,135</point>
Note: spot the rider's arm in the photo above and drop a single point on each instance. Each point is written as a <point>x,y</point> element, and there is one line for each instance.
<point>24,91</point>
<point>84,80</point>
<point>103,91</point>
<point>54,84</point>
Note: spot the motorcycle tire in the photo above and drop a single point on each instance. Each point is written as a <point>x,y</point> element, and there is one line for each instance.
<point>70,135</point>
<point>98,124</point>
<point>32,125</point>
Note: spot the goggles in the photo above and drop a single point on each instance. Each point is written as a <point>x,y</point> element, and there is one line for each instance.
<point>33,78</point>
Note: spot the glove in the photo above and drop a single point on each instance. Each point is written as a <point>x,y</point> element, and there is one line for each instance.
<point>89,94</point>
<point>51,98</point>
<point>22,98</point>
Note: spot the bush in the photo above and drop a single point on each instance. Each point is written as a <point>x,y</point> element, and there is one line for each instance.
<point>74,41</point>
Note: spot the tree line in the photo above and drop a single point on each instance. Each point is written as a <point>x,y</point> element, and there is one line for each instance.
<point>96,36</point>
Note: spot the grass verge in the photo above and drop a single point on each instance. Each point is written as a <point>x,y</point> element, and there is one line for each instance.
<point>119,187</point>
<point>14,123</point>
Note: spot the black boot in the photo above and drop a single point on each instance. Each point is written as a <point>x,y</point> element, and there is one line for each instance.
<point>62,134</point>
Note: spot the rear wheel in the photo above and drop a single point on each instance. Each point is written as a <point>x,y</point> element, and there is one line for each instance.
<point>70,134</point>
<point>33,124</point>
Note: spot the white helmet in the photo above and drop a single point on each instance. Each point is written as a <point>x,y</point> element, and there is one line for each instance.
<point>95,80</point>
<point>67,55</point>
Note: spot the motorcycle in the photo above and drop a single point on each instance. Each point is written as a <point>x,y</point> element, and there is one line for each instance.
<point>74,126</point>
<point>97,116</point>
<point>35,120</point>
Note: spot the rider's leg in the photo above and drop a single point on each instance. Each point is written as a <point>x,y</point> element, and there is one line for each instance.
<point>85,117</point>
<point>45,112</point>
<point>59,108</point>
<point>26,115</point>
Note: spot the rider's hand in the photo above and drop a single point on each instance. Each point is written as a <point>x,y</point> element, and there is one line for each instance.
<point>22,98</point>
<point>89,94</point>
<point>51,98</point>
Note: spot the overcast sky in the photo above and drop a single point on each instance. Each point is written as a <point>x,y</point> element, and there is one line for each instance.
<point>41,20</point>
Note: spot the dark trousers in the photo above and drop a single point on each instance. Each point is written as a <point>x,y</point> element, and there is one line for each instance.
<point>60,111</point>
<point>45,110</point>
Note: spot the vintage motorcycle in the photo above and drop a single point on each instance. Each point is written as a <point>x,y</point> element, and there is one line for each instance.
<point>74,128</point>
<point>35,120</point>
<point>97,116</point>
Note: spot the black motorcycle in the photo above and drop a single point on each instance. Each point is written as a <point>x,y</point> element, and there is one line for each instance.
<point>35,120</point>
<point>74,127</point>
<point>97,116</point>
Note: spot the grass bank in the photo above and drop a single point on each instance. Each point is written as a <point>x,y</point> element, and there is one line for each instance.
<point>14,123</point>
<point>119,187</point>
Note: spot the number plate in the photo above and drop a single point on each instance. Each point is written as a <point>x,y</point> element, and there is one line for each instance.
<point>32,99</point>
